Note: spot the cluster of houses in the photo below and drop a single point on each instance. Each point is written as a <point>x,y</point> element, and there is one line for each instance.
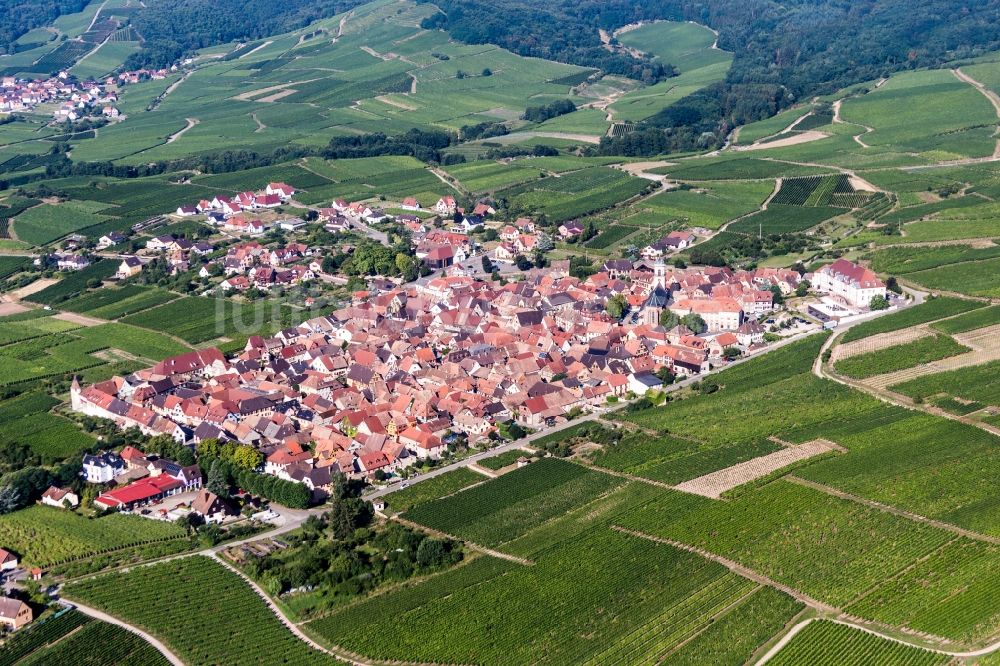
<point>221,209</point>
<point>71,99</point>
<point>251,264</point>
<point>396,375</point>
<point>139,480</point>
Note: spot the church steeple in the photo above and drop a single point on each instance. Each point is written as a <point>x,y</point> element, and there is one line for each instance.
<point>659,274</point>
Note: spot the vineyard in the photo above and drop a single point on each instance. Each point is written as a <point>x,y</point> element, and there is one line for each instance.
<point>44,535</point>
<point>787,532</point>
<point>502,460</point>
<point>506,507</point>
<point>596,596</point>
<point>52,437</point>
<point>11,265</point>
<point>925,464</point>
<point>824,643</point>
<point>931,310</point>
<point>901,260</point>
<point>114,303</point>
<point>952,594</point>
<point>38,635</point>
<point>900,357</point>
<point>197,319</point>
<point>980,383</point>
<point>439,486</point>
<point>74,283</point>
<point>877,205</point>
<point>577,193</point>
<point>812,191</point>
<point>672,460</point>
<point>98,644</point>
<point>610,235</point>
<point>729,639</point>
<point>778,219</point>
<point>204,613</point>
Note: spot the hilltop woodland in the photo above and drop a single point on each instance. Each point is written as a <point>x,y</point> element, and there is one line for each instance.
<point>783,51</point>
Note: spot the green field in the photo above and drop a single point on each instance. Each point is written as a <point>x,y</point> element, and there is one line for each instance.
<point>787,532</point>
<point>825,643</point>
<point>243,631</point>
<point>914,112</point>
<point>197,319</point>
<point>900,357</point>
<point>505,508</point>
<point>432,489</point>
<point>44,535</point>
<point>73,638</point>
<point>932,310</point>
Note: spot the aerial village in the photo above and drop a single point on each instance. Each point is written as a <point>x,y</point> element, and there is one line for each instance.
<point>67,98</point>
<point>401,373</point>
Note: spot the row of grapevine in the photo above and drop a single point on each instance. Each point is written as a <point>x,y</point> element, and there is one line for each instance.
<point>204,612</point>
<point>824,643</point>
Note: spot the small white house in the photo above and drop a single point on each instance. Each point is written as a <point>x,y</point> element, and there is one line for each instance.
<point>102,468</point>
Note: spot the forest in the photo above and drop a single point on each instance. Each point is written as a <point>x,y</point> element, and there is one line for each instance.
<point>19,16</point>
<point>173,28</point>
<point>783,51</point>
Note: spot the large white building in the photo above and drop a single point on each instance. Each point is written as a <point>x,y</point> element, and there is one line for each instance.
<point>720,314</point>
<point>855,284</point>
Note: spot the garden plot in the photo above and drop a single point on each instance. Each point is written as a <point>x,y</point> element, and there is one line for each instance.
<point>715,484</point>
